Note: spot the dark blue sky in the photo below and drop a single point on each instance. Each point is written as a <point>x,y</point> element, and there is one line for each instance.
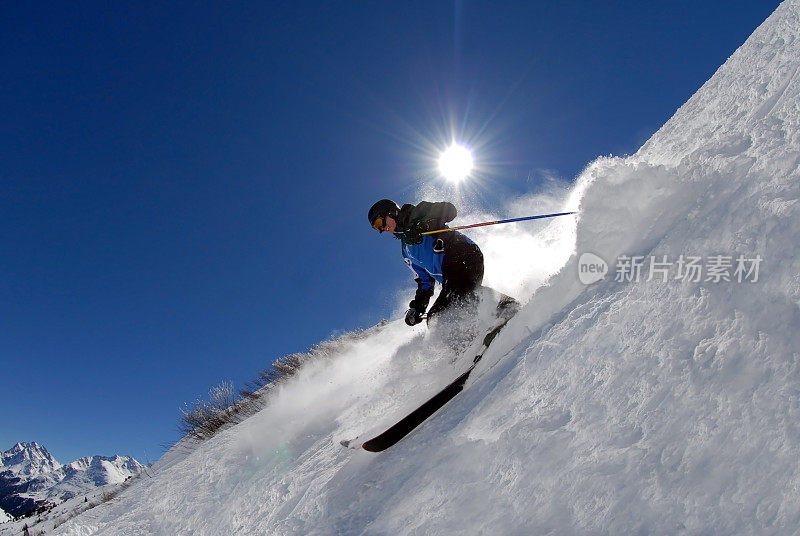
<point>183,185</point>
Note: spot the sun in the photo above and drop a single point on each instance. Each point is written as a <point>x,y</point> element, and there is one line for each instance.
<point>455,163</point>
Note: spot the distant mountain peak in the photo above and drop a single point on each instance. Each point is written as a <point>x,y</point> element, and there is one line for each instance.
<point>31,476</point>
<point>29,459</point>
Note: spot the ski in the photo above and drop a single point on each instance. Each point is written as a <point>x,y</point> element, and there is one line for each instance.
<point>407,424</point>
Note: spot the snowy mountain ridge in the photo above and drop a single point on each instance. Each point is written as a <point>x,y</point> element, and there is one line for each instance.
<point>29,460</point>
<point>663,398</point>
<point>31,477</point>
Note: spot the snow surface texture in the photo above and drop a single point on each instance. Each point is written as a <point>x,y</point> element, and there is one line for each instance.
<point>621,407</point>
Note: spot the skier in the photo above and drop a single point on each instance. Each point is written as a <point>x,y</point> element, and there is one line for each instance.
<point>450,258</point>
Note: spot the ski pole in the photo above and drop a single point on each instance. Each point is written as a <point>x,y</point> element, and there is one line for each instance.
<point>510,220</point>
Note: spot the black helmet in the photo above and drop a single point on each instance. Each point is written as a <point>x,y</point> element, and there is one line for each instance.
<point>381,209</point>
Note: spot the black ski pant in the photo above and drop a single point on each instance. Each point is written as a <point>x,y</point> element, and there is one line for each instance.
<point>462,274</point>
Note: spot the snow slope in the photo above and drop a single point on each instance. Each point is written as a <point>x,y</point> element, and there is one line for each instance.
<point>668,406</point>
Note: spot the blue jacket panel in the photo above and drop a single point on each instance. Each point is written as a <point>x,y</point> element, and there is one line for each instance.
<point>424,261</point>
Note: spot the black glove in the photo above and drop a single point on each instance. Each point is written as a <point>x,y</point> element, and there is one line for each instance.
<point>415,311</point>
<point>413,235</point>
<point>413,317</point>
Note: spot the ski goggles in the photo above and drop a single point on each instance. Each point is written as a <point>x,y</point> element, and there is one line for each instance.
<point>379,224</point>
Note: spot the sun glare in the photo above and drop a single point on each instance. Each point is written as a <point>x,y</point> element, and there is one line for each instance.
<point>455,163</point>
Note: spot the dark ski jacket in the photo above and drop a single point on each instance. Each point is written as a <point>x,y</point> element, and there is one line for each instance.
<point>425,254</point>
